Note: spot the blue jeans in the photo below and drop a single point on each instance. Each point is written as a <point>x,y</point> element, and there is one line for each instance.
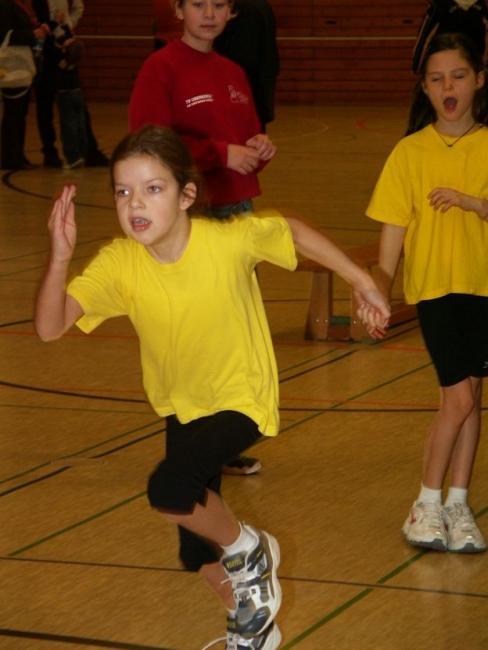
<point>226,211</point>
<point>72,109</point>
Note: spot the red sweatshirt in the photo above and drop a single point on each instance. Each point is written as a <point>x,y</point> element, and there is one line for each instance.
<point>206,98</point>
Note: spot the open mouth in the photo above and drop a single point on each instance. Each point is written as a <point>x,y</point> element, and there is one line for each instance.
<point>139,223</point>
<point>450,104</point>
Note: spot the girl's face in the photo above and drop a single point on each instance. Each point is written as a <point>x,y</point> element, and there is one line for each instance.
<point>451,84</point>
<point>151,207</point>
<point>203,21</point>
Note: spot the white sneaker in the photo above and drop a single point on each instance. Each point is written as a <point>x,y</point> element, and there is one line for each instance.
<point>255,584</point>
<point>425,526</point>
<point>463,534</point>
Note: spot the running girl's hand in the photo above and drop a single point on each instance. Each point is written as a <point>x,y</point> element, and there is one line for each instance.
<point>243,160</point>
<point>62,226</point>
<point>263,145</point>
<point>373,311</point>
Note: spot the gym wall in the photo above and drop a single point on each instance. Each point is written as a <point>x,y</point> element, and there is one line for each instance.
<point>331,50</point>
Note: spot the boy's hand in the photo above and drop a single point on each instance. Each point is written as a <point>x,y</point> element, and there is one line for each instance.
<point>263,145</point>
<point>243,160</point>
<point>62,226</point>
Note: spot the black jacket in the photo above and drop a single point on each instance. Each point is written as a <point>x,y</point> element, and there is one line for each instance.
<point>13,17</point>
<point>249,39</point>
<point>445,16</point>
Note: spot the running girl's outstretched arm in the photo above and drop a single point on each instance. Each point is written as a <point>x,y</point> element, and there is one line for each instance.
<point>373,310</point>
<point>56,311</point>
<point>443,198</point>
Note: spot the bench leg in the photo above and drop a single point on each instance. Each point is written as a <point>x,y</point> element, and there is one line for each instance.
<point>320,307</point>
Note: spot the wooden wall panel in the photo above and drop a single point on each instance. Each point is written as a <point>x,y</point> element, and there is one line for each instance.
<point>331,50</point>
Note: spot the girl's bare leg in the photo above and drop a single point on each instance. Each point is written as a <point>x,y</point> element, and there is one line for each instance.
<point>216,578</point>
<point>457,404</point>
<point>466,445</point>
<point>214,520</point>
<point>217,523</point>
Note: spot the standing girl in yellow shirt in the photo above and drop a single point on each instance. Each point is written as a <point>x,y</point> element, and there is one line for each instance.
<point>432,197</point>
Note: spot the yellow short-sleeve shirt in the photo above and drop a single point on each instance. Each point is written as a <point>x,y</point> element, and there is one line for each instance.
<point>444,252</point>
<point>204,339</point>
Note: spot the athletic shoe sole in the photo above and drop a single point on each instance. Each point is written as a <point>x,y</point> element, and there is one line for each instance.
<point>433,545</point>
<point>274,550</point>
<point>468,548</point>
<point>273,640</point>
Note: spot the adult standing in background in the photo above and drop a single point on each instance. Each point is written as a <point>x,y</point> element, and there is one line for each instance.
<point>468,17</point>
<point>59,11</point>
<point>45,85</point>
<point>18,16</point>
<point>249,39</point>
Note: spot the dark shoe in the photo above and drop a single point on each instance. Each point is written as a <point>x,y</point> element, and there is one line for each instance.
<point>52,161</point>
<point>96,159</point>
<point>242,465</point>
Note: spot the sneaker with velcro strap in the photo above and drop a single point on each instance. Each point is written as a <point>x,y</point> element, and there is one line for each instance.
<point>255,585</point>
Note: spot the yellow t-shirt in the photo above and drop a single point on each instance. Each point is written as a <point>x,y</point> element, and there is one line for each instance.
<point>444,252</point>
<point>205,344</point>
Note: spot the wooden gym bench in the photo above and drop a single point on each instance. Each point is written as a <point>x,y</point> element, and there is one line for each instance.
<point>322,323</point>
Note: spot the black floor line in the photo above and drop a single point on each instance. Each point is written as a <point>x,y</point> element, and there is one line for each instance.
<point>16,322</point>
<point>22,486</point>
<point>36,389</point>
<point>8,183</point>
<point>78,640</point>
<point>69,465</point>
<point>314,413</point>
<point>308,580</point>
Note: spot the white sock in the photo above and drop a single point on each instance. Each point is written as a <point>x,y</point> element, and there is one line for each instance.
<point>456,495</point>
<point>245,542</point>
<point>427,495</point>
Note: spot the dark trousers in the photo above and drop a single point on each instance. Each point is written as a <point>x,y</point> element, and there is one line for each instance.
<point>13,128</point>
<point>45,99</point>
<point>195,453</point>
<point>45,96</point>
<point>72,111</point>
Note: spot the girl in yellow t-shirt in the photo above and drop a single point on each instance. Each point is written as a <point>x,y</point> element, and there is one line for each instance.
<point>432,197</point>
<point>178,279</point>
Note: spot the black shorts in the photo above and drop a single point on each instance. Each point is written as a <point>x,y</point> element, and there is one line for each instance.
<point>455,331</point>
<point>195,453</point>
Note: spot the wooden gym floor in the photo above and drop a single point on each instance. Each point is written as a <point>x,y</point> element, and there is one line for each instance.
<point>84,562</point>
